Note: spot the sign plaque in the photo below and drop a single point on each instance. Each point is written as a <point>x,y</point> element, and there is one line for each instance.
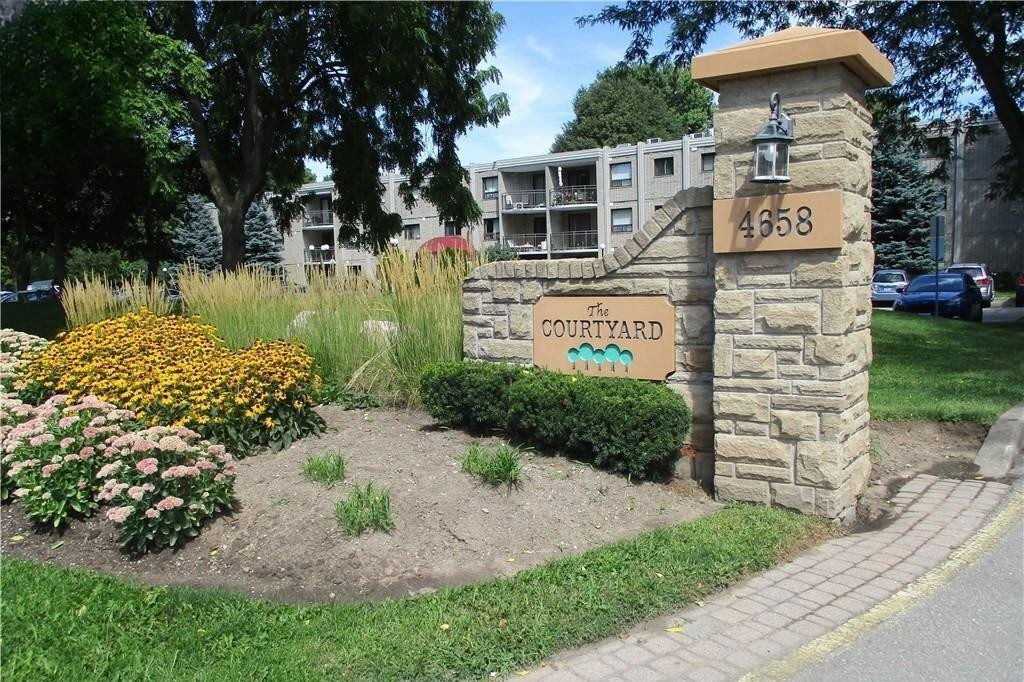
<point>779,222</point>
<point>612,336</point>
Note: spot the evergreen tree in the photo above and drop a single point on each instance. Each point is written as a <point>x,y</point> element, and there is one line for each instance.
<point>263,241</point>
<point>904,196</point>
<point>198,239</point>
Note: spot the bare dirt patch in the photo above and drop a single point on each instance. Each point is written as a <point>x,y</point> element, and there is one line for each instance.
<point>283,540</point>
<point>901,450</point>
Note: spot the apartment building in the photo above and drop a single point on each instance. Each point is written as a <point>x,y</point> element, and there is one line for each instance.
<point>564,205</point>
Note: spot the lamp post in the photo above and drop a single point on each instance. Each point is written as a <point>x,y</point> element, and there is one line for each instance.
<point>771,154</point>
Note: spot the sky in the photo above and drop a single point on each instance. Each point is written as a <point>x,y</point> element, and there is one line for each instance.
<point>544,58</point>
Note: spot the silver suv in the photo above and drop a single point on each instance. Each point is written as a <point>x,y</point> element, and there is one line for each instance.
<point>982,277</point>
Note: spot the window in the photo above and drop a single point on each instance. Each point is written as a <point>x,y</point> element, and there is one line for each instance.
<point>664,166</point>
<point>622,220</point>
<point>540,226</point>
<point>411,231</point>
<point>707,162</point>
<point>579,222</point>
<point>491,187</point>
<point>657,207</point>
<point>622,174</point>
<point>449,229</point>
<point>490,228</point>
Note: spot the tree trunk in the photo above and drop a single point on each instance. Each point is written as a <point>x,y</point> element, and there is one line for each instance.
<point>152,248</point>
<point>60,251</point>
<point>232,228</point>
<point>22,267</point>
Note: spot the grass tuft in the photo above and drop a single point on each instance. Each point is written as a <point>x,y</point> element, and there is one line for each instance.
<point>499,465</point>
<point>366,508</point>
<point>327,469</point>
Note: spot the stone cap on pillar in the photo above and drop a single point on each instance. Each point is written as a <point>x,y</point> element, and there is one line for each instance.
<point>793,48</point>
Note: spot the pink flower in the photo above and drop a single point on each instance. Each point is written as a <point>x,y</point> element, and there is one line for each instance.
<point>169,503</point>
<point>205,464</point>
<point>152,513</point>
<point>119,514</point>
<point>216,450</point>
<point>58,399</point>
<point>90,432</point>
<point>180,471</point>
<point>147,466</point>
<point>41,439</point>
<point>143,445</point>
<point>66,443</point>
<point>48,470</point>
<point>174,444</point>
<point>136,492</point>
<point>80,485</point>
<point>21,492</point>
<point>87,452</point>
<point>67,422</point>
<point>98,421</point>
<point>108,469</point>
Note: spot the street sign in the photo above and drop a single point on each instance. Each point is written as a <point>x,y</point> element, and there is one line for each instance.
<point>938,238</point>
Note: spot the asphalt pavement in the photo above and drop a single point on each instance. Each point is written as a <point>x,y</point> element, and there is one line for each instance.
<point>971,629</point>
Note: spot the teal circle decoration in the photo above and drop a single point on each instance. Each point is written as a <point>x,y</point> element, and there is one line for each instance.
<point>574,355</point>
<point>626,358</point>
<point>598,357</point>
<point>586,352</point>
<point>611,353</point>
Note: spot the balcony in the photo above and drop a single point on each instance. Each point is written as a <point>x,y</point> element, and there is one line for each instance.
<point>524,200</point>
<point>319,256</point>
<point>574,195</point>
<point>318,219</point>
<point>579,240</point>
<point>527,243</point>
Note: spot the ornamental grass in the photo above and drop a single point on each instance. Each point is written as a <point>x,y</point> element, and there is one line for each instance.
<point>172,370</point>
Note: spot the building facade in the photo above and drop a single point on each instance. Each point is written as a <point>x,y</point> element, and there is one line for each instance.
<point>586,203</point>
<point>564,205</point>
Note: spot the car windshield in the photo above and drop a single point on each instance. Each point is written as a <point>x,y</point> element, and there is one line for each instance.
<point>889,277</point>
<point>927,283</point>
<point>973,272</point>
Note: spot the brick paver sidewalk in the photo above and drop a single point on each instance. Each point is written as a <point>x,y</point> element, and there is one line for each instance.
<point>776,612</point>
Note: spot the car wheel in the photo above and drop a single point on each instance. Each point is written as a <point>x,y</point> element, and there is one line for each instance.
<point>976,314</point>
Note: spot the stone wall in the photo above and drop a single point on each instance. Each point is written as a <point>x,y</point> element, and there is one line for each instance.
<point>792,329</point>
<point>670,255</point>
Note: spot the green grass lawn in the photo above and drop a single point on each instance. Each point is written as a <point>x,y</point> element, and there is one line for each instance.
<point>41,318</point>
<point>77,625</point>
<point>945,370</point>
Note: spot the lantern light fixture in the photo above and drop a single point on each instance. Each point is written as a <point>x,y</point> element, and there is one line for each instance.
<point>771,151</point>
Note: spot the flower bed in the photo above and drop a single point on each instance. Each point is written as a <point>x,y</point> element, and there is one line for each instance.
<point>16,349</point>
<point>67,458</point>
<point>172,370</point>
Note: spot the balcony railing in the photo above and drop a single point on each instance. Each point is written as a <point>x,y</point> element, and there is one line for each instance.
<point>531,198</point>
<point>319,256</point>
<point>573,195</point>
<point>318,218</point>
<point>527,243</point>
<point>580,240</point>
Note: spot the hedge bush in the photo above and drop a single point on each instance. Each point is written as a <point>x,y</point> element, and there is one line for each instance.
<point>471,395</point>
<point>626,425</point>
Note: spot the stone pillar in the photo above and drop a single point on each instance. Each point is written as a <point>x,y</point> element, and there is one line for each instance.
<point>792,327</point>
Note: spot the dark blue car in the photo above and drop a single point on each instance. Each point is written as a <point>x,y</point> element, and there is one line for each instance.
<point>958,296</point>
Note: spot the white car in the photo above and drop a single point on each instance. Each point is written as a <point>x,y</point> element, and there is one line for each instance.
<point>982,277</point>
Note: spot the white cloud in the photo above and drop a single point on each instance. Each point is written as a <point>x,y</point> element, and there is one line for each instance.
<point>543,50</point>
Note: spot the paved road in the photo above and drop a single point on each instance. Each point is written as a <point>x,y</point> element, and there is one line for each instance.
<point>971,629</point>
<point>1002,314</point>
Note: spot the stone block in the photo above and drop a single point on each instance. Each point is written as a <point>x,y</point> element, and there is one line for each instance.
<point>820,463</point>
<point>725,326</point>
<point>795,425</point>
<point>696,322</point>
<point>521,321</point>
<point>752,450</point>
<point>764,473</point>
<point>742,428</point>
<point>723,426</point>
<point>474,283</point>
<point>779,263</point>
<point>669,248</point>
<point>798,372</point>
<point>532,291</point>
<point>734,304</point>
<point>754,363</point>
<point>506,349</point>
<point>797,497</point>
<point>787,318</point>
<point>770,342</point>
<point>729,489</point>
<point>723,355</point>
<point>471,303</point>
<point>788,296</point>
<point>698,397</point>
<point>809,402</point>
<point>831,350</point>
<point>833,502</point>
<point>762,281</point>
<point>773,386</point>
<point>746,406</point>
<point>725,469</point>
<point>691,290</point>
<point>506,291</point>
<point>725,272</point>
<point>828,273</point>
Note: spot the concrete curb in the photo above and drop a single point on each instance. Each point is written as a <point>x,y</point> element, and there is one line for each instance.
<point>1004,441</point>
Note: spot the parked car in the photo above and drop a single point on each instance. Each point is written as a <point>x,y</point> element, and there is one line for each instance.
<point>8,296</point>
<point>957,293</point>
<point>1019,302</point>
<point>886,285</point>
<point>982,277</point>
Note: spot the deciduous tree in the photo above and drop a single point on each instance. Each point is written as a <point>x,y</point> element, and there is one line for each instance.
<point>360,86</point>
<point>630,103</point>
<point>945,53</point>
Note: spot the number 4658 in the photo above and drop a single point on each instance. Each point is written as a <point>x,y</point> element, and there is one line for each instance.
<point>781,225</point>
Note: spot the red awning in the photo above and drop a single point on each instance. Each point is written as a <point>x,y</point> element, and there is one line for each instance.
<point>439,244</point>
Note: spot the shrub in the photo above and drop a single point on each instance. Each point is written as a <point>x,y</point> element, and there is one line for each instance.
<point>365,508</point>
<point>16,349</point>
<point>328,469</point>
<point>174,370</point>
<point>632,427</point>
<point>627,425</point>
<point>53,453</point>
<point>495,466</point>
<point>541,409</point>
<point>468,394</point>
<point>500,252</point>
<point>165,485</point>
